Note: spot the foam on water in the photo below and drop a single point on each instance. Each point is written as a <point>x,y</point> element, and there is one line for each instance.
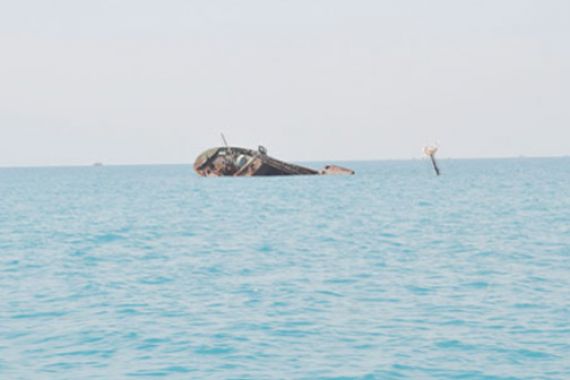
<point>152,272</point>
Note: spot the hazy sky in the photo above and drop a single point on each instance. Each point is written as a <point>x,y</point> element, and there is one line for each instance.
<point>141,81</point>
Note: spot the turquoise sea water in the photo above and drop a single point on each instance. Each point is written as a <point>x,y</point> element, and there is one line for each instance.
<point>152,272</point>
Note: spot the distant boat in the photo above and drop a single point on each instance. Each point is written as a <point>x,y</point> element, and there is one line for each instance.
<point>242,162</point>
<point>98,164</point>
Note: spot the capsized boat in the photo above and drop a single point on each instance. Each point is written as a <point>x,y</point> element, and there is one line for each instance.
<point>242,162</point>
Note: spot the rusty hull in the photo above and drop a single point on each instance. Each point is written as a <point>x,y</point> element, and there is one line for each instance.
<point>241,162</point>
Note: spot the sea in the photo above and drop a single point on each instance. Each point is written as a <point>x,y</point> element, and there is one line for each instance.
<point>151,272</point>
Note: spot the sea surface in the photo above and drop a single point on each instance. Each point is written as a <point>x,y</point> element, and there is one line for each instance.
<point>152,272</point>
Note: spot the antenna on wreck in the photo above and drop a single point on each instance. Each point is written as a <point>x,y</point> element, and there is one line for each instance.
<point>431,150</point>
<point>224,140</point>
<point>229,150</point>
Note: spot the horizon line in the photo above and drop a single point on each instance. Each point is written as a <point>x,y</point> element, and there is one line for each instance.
<point>103,164</point>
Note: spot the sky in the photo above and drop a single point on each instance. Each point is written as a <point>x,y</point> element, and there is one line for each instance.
<point>149,81</point>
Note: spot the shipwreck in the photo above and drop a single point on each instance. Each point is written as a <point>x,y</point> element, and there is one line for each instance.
<point>241,162</point>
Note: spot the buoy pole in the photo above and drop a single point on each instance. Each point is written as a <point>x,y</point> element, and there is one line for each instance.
<point>431,151</point>
<point>435,165</point>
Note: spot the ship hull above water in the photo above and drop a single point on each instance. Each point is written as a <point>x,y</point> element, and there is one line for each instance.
<point>241,162</point>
